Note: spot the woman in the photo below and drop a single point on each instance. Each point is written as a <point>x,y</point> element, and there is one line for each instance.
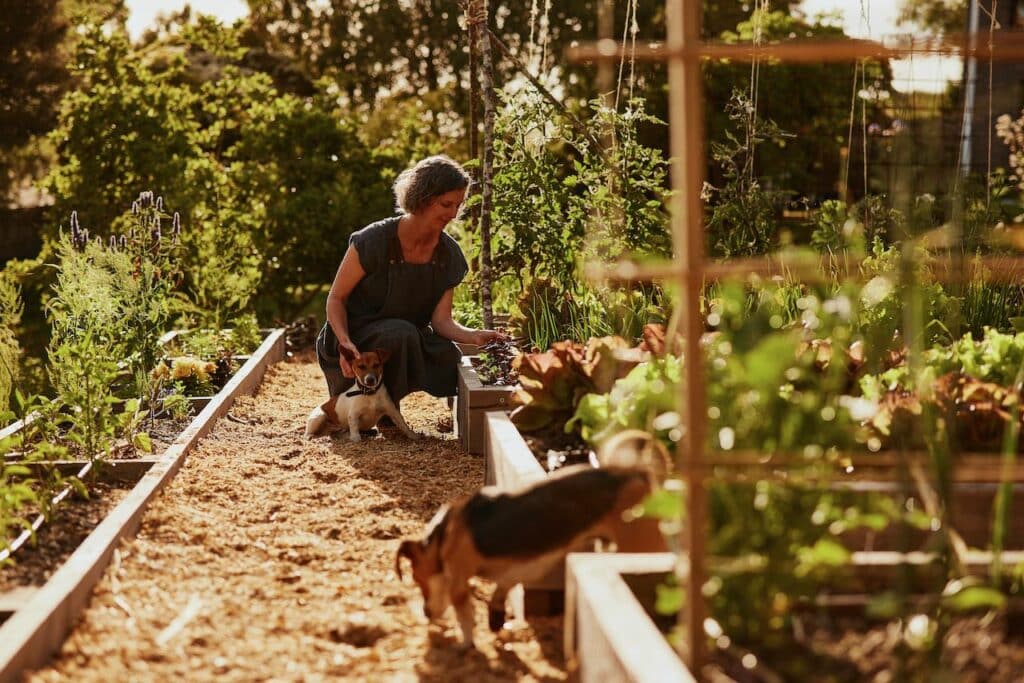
<point>394,288</point>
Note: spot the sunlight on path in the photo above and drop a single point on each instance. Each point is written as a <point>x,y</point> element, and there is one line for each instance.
<point>273,559</point>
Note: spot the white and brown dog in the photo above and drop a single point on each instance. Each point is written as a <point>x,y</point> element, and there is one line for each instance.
<point>363,406</point>
<point>512,538</point>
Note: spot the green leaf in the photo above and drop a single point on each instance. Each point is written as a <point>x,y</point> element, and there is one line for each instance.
<point>143,442</point>
<point>669,599</point>
<point>973,598</point>
<point>663,504</point>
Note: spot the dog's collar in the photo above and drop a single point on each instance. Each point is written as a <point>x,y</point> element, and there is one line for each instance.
<point>363,390</point>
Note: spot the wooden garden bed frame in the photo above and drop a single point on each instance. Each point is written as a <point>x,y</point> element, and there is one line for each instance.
<point>44,616</point>
<point>609,636</point>
<point>474,400</point>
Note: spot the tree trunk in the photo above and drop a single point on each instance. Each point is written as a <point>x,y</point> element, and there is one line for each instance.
<point>474,97</point>
<point>487,172</point>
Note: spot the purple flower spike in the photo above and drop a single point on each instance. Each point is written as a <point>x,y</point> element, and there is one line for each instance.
<point>135,208</point>
<point>159,203</point>
<point>123,242</point>
<point>76,231</point>
<point>155,232</point>
<point>113,242</point>
<point>176,224</point>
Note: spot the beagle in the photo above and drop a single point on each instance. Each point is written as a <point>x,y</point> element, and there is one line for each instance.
<point>511,538</point>
<point>363,406</point>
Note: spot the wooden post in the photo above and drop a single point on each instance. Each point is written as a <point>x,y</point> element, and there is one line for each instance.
<point>686,130</point>
<point>479,16</point>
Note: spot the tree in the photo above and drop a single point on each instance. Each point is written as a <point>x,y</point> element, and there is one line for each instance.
<point>938,16</point>
<point>269,185</point>
<point>32,75</point>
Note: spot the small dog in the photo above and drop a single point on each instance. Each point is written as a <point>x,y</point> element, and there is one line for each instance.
<point>363,406</point>
<point>511,538</point>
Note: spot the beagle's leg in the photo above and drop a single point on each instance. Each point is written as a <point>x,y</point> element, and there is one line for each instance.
<point>496,608</point>
<point>353,425</point>
<point>396,417</point>
<point>463,604</point>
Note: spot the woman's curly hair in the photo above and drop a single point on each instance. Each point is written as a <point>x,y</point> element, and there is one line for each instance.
<point>416,187</point>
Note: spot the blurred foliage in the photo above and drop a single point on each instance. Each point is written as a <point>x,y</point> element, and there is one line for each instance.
<point>11,307</point>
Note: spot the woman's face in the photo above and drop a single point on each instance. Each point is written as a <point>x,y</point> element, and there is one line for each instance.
<point>444,208</point>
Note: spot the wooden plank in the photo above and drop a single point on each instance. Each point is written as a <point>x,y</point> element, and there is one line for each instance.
<point>35,632</point>
<point>16,598</point>
<point>123,471</point>
<point>608,635</point>
<point>474,400</point>
<point>1009,47</point>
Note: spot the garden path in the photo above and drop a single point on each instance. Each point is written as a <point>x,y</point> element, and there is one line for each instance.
<point>269,558</point>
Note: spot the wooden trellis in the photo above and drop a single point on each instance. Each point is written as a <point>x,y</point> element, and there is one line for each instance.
<point>683,51</point>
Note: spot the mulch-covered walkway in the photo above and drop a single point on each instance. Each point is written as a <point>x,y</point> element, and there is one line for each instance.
<point>269,558</point>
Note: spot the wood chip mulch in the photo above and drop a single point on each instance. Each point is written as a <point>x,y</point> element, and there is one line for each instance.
<point>272,559</point>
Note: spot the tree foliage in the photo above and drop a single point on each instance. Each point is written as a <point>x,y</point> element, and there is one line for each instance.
<point>269,185</point>
<point>32,73</point>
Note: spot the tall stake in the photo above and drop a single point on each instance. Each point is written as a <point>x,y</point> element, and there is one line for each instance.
<point>686,131</point>
<point>474,97</point>
<point>478,18</point>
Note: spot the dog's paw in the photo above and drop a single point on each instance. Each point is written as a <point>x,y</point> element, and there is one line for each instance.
<point>354,437</point>
<point>464,645</point>
<point>415,436</point>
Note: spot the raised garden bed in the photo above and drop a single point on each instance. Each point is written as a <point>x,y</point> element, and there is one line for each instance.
<point>40,619</point>
<point>474,400</point>
<point>612,632</point>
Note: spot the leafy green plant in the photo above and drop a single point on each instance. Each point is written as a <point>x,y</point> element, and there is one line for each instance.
<point>176,403</point>
<point>552,383</point>
<point>742,215</point>
<point>10,350</point>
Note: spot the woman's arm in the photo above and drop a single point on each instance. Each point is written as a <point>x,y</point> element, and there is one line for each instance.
<point>444,325</point>
<point>350,272</point>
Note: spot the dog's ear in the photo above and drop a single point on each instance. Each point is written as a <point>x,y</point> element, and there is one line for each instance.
<point>346,353</point>
<point>408,550</point>
<point>384,355</point>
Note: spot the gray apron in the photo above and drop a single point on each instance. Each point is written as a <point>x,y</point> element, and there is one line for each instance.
<point>420,359</point>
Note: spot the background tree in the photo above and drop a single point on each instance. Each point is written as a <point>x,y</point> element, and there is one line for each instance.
<point>32,76</point>
<point>938,16</point>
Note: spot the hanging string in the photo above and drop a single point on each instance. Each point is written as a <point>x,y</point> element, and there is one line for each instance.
<point>634,29</point>
<point>543,29</point>
<point>864,122</point>
<point>849,135</point>
<point>531,50</point>
<point>760,10</point>
<point>988,168</point>
<point>622,58</point>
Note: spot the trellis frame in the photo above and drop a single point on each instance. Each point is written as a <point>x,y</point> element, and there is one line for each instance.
<point>683,51</point>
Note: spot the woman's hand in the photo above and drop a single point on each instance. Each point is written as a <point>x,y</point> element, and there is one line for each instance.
<point>346,350</point>
<point>481,337</point>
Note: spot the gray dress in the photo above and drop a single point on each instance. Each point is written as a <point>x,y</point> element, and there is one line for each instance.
<point>390,308</point>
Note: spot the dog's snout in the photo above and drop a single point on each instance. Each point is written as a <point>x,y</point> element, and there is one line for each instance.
<point>371,379</point>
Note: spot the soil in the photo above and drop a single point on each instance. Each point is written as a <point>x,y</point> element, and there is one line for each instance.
<point>852,649</point>
<point>555,449</point>
<point>75,519</point>
<point>270,558</point>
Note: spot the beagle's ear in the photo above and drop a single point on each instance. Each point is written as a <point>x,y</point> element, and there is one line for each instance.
<point>408,550</point>
<point>384,355</point>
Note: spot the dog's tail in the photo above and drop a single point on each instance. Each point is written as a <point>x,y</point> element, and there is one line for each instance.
<point>315,422</point>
